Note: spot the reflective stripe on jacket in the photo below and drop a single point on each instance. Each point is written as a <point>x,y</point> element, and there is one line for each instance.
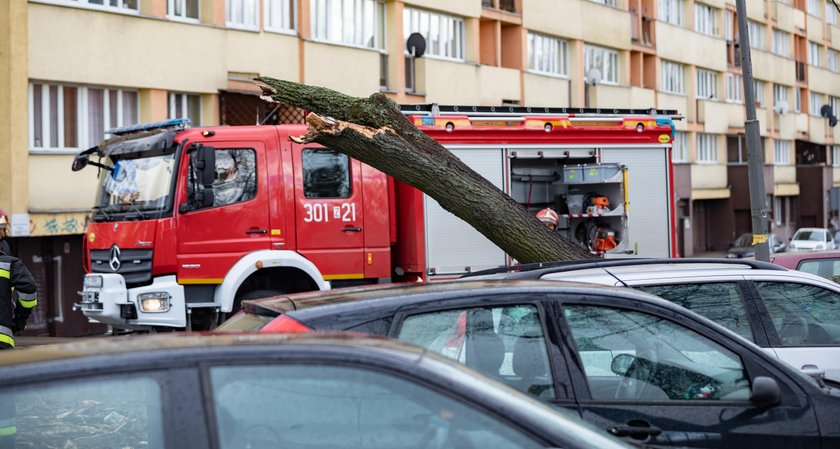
<point>14,276</point>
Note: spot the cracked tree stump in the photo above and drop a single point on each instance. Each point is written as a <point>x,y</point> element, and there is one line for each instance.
<point>374,131</point>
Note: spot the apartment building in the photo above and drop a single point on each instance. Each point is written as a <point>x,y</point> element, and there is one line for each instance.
<point>71,69</point>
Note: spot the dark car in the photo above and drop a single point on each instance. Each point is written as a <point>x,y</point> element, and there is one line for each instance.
<point>267,391</point>
<point>628,362</point>
<point>743,246</point>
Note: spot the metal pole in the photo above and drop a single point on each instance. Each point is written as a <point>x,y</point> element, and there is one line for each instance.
<point>755,154</point>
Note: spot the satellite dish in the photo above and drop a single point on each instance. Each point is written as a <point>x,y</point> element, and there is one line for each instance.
<point>593,76</point>
<point>832,121</point>
<point>781,107</point>
<point>416,44</point>
<point>826,111</point>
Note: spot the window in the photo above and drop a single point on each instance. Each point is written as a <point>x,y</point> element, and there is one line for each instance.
<point>672,11</point>
<point>632,356</point>
<point>548,55</point>
<point>814,50</point>
<point>815,8</point>
<point>105,4</point>
<point>235,180</point>
<point>185,106</point>
<point>704,19</point>
<point>603,59</point>
<point>73,117</point>
<point>798,97</point>
<point>606,2</point>
<point>757,32</point>
<point>778,210</point>
<point>680,150</point>
<point>734,86</point>
<point>816,103</point>
<point>673,77</point>
<point>182,9</point>
<point>781,152</point>
<point>780,93</point>
<point>706,148</point>
<point>831,60</point>
<point>505,343</point>
<point>706,84</point>
<point>729,25</point>
<point>351,22</point>
<point>830,12</point>
<point>326,173</point>
<point>834,102</point>
<point>803,315</point>
<point>243,14</point>
<point>331,406</point>
<point>781,43</point>
<point>444,34</point>
<point>719,302</point>
<point>126,410</point>
<point>758,88</point>
<point>835,155</point>
<point>827,268</point>
<point>280,15</point>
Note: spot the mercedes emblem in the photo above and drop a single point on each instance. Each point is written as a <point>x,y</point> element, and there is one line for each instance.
<point>114,260</point>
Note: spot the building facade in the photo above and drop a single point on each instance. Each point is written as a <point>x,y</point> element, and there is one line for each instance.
<point>71,69</point>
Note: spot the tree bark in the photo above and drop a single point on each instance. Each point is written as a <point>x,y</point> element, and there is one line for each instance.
<point>374,131</point>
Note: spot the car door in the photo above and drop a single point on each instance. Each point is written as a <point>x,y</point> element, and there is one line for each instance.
<point>647,375</point>
<point>802,322</point>
<point>506,338</point>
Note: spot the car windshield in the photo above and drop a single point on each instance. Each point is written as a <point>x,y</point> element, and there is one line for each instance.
<point>136,184</point>
<point>743,240</point>
<point>813,235</point>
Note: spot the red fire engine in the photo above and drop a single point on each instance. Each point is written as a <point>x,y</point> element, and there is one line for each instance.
<point>190,221</point>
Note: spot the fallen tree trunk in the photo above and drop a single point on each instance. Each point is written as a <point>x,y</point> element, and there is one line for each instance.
<point>373,130</point>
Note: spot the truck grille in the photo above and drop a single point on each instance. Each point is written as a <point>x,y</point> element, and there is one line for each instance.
<point>135,265</point>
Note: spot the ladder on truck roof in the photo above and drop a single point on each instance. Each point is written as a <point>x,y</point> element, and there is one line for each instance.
<point>492,111</point>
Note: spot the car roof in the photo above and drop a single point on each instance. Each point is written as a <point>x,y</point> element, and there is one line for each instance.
<point>791,260</point>
<point>404,294</point>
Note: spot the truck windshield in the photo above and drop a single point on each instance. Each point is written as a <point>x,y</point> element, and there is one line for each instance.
<point>139,186</point>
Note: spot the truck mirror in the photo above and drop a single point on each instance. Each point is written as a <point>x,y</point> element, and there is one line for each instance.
<point>80,161</point>
<point>204,158</point>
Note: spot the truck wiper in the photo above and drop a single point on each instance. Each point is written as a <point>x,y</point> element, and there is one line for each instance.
<point>101,210</point>
<point>137,209</point>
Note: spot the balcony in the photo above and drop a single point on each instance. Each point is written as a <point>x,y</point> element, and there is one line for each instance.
<point>642,31</point>
<point>706,50</point>
<point>769,66</point>
<point>511,6</point>
<point>822,80</point>
<point>709,181</point>
<point>714,115</point>
<point>801,72</point>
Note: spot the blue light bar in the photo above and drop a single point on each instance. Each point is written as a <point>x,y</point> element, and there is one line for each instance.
<point>171,123</point>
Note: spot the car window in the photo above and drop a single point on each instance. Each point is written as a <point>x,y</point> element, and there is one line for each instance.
<point>506,343</point>
<point>95,413</point>
<point>719,302</point>
<point>629,355</point>
<point>342,407</point>
<point>803,315</point>
<point>827,268</point>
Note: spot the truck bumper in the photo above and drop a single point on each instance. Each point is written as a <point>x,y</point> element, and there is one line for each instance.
<point>105,299</point>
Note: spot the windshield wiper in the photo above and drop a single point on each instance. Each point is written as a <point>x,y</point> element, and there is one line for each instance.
<point>137,209</point>
<point>101,210</point>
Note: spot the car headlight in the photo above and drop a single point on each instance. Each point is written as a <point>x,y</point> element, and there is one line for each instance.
<point>731,256</point>
<point>156,302</point>
<point>93,281</point>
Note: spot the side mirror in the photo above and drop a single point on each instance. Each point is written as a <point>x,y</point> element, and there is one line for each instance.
<point>765,392</point>
<point>621,363</point>
<point>204,160</point>
<point>80,161</point>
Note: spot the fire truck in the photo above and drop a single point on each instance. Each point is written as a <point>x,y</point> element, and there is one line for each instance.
<point>188,221</point>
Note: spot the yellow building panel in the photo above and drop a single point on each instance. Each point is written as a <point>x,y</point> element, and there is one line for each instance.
<point>823,81</point>
<point>786,189</point>
<point>13,107</point>
<point>464,8</point>
<point>706,51</point>
<point>710,176</point>
<point>154,54</point>
<point>756,10</point>
<point>545,90</point>
<point>680,103</point>
<point>784,174</point>
<point>595,18</point>
<point>604,96</point>
<point>714,115</point>
<point>52,185</point>
<point>815,28</point>
<point>834,36</point>
<point>785,15</point>
<point>551,17</point>
<point>720,4</point>
<point>442,81</point>
<point>763,121</point>
<point>802,120</point>
<point>709,194</point>
<point>349,70</point>
<point>735,115</point>
<point>787,126</point>
<point>498,84</point>
<point>770,67</point>
<point>817,129</point>
<point>50,225</point>
<point>643,98</point>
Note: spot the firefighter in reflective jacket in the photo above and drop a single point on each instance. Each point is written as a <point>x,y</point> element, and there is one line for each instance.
<point>14,276</point>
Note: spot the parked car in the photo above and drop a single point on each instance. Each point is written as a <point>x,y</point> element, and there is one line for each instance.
<point>629,362</point>
<point>821,263</point>
<point>793,315</point>
<point>743,246</point>
<point>807,239</point>
<point>270,391</point>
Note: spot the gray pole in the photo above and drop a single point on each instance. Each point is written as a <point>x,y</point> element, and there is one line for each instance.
<point>755,154</point>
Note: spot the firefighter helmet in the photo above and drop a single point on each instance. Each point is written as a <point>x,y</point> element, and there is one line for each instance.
<point>4,224</point>
<point>548,216</point>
